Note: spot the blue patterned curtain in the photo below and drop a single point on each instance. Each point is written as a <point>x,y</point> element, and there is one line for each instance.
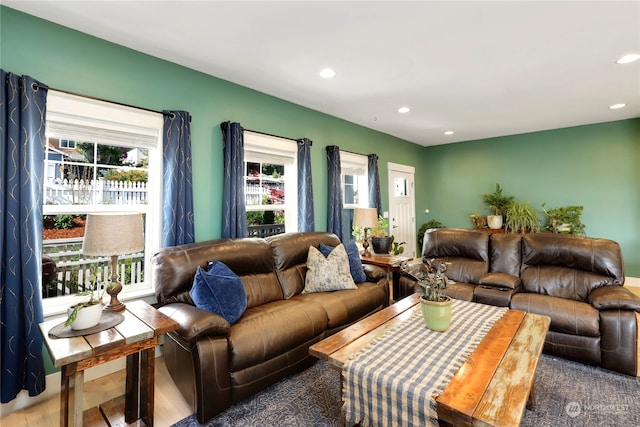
<point>375,201</point>
<point>234,218</point>
<point>306,221</point>
<point>177,210</point>
<point>22,141</point>
<point>334,205</point>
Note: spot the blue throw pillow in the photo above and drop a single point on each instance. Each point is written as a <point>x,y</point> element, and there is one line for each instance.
<point>355,263</point>
<point>219,290</point>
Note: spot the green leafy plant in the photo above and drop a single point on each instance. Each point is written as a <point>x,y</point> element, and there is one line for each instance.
<point>496,201</point>
<point>430,276</point>
<point>565,220</point>
<point>396,248</point>
<point>478,220</point>
<point>63,222</point>
<point>96,293</point>
<point>522,217</point>
<point>358,233</point>
<point>434,223</point>
<point>380,230</point>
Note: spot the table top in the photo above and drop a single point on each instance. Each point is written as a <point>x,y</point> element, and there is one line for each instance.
<point>385,260</point>
<point>140,329</point>
<point>501,368</point>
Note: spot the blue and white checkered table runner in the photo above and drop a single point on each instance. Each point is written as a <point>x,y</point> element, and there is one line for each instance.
<point>394,380</point>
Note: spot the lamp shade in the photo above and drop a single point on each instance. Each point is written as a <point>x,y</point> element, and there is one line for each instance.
<point>113,234</point>
<point>365,217</point>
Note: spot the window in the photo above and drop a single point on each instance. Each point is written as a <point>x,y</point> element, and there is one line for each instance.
<point>99,157</point>
<point>271,197</point>
<point>355,188</point>
<point>65,143</point>
<point>354,175</point>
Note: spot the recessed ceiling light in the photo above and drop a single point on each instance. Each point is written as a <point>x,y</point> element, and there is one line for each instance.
<point>403,110</point>
<point>327,73</point>
<point>616,106</point>
<point>631,57</point>
<point>449,132</point>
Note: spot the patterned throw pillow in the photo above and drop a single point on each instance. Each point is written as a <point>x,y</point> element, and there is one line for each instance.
<point>355,263</point>
<point>328,274</point>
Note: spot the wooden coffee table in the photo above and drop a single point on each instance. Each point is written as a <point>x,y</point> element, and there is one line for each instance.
<point>494,385</point>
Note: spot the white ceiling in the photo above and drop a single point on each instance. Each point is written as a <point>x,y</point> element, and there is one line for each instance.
<point>479,68</point>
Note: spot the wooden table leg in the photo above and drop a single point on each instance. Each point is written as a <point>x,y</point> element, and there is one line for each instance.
<point>64,398</point>
<point>78,394</point>
<point>147,370</point>
<point>132,387</point>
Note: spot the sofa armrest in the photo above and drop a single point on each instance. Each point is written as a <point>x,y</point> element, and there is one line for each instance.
<point>374,272</point>
<point>195,322</point>
<point>614,297</point>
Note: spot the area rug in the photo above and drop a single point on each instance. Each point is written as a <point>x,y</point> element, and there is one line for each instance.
<point>568,394</point>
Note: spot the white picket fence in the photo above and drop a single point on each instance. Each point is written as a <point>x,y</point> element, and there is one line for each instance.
<point>73,268</point>
<point>99,191</point>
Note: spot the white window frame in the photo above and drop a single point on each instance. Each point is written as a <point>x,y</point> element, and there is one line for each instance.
<point>261,148</point>
<point>356,165</point>
<point>108,123</point>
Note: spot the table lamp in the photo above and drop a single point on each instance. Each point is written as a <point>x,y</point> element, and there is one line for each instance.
<point>113,234</point>
<point>365,218</point>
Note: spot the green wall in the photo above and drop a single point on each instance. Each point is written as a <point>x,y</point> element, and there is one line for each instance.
<point>596,166</point>
<point>69,60</point>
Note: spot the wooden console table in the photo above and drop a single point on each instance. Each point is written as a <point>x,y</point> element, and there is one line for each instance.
<point>135,338</point>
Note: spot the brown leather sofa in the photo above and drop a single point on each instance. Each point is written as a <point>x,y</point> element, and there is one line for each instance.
<point>215,364</point>
<point>577,281</point>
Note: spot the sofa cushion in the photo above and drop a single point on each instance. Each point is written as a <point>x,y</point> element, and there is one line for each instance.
<point>506,253</point>
<point>328,274</point>
<point>219,290</point>
<point>467,251</point>
<point>344,307</point>
<point>272,329</point>
<point>355,263</point>
<point>289,255</point>
<point>567,316</point>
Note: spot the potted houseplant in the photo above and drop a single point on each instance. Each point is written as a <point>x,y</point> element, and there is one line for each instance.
<point>380,239</point>
<point>478,220</point>
<point>87,314</point>
<point>521,217</point>
<point>498,203</point>
<point>434,223</point>
<point>432,280</point>
<point>396,248</point>
<point>564,220</point>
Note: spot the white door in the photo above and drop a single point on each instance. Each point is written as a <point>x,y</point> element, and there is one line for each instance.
<point>402,222</point>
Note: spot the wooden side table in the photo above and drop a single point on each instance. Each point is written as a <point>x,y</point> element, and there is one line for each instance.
<point>391,264</point>
<point>135,338</point>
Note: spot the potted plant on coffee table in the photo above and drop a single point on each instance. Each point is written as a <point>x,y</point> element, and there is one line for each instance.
<point>432,280</point>
<point>87,314</point>
<point>498,203</point>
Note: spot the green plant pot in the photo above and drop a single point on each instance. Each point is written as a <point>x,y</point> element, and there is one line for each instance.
<point>437,315</point>
<point>381,245</point>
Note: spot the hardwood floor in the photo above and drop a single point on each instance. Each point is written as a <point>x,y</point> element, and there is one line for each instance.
<point>170,406</point>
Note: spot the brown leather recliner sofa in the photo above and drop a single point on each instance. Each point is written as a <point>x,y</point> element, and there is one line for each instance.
<point>576,281</point>
<point>215,364</point>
